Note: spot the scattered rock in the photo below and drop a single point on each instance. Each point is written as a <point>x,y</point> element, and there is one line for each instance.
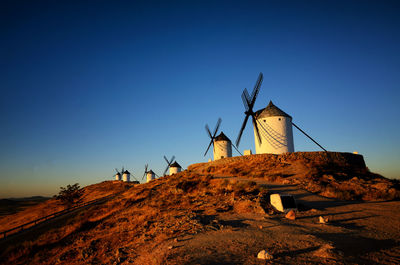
<point>291,215</point>
<point>261,227</point>
<point>263,254</point>
<point>323,220</point>
<point>328,251</point>
<point>170,247</point>
<point>286,181</point>
<point>329,177</point>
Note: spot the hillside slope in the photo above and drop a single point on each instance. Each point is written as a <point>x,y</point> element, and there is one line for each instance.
<point>218,213</point>
<point>52,205</point>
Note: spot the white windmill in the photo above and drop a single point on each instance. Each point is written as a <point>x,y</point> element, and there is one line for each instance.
<point>126,176</point>
<point>149,174</point>
<point>276,131</point>
<point>273,131</point>
<point>175,168</point>
<point>118,175</point>
<point>222,145</point>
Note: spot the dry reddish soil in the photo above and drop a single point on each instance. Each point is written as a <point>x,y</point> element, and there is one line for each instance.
<point>212,217</point>
<point>356,233</point>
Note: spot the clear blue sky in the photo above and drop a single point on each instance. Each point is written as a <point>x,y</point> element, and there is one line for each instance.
<point>87,86</point>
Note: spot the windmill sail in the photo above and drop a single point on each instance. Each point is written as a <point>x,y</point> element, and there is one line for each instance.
<point>212,136</point>
<point>169,163</point>
<point>248,102</point>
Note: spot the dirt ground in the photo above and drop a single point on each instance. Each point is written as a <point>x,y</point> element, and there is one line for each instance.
<point>356,233</point>
<point>206,216</point>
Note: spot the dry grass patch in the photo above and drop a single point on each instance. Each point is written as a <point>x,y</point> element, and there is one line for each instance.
<point>141,218</point>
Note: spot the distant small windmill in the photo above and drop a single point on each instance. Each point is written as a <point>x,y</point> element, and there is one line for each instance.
<point>222,145</point>
<point>150,175</point>
<point>118,175</point>
<point>124,175</point>
<point>173,166</point>
<point>169,163</point>
<point>272,126</point>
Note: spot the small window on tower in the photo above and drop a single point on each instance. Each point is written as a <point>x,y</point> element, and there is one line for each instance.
<point>279,118</point>
<point>264,120</point>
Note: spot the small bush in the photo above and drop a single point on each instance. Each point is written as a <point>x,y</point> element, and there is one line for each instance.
<point>70,195</point>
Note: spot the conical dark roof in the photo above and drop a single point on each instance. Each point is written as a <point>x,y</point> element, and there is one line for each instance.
<point>270,111</point>
<point>222,137</point>
<point>175,164</point>
<point>151,172</point>
<point>126,172</point>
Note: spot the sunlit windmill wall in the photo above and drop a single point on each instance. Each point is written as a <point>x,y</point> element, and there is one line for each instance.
<point>126,176</point>
<point>175,168</point>
<point>150,175</point>
<point>222,147</point>
<point>275,128</point>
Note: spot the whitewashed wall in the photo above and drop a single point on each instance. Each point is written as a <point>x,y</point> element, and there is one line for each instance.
<point>174,170</point>
<point>276,135</point>
<point>126,177</point>
<point>150,177</point>
<point>222,149</point>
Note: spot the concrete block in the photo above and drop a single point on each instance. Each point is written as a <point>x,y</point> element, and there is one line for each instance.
<point>283,202</point>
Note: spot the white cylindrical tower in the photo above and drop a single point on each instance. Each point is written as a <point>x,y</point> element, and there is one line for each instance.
<point>118,176</point>
<point>275,128</point>
<point>174,168</point>
<point>222,147</point>
<point>150,175</point>
<point>126,176</point>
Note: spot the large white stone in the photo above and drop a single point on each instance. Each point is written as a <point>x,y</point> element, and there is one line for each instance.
<point>283,202</point>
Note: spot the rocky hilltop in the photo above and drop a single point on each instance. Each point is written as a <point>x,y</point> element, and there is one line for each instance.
<point>219,213</point>
<point>330,174</point>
